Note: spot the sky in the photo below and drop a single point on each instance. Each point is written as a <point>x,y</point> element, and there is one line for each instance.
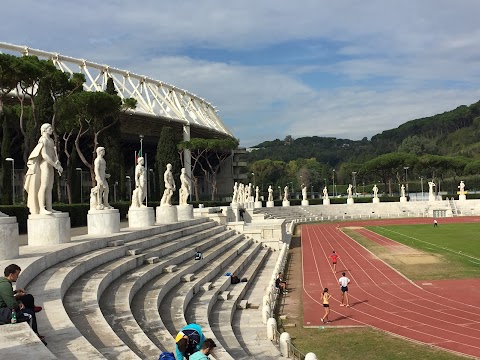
<point>348,69</point>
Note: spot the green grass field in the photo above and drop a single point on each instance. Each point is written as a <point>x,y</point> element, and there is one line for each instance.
<point>456,250</point>
<point>457,247</point>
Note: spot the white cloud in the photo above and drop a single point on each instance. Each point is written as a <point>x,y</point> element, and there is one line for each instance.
<point>389,62</point>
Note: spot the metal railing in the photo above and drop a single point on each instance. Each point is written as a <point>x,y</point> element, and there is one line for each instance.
<point>294,353</point>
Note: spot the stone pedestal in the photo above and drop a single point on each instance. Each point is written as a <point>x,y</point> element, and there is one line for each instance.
<point>103,222</point>
<point>257,204</point>
<point>326,201</point>
<point>462,197</point>
<point>167,214</point>
<point>9,241</point>
<point>431,197</point>
<point>235,210</point>
<point>305,203</point>
<point>48,229</point>
<point>376,200</point>
<point>141,217</point>
<point>270,204</point>
<point>185,212</point>
<point>285,203</point>
<point>350,201</point>
<point>403,199</point>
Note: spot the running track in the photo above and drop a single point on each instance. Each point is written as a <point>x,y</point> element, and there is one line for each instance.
<point>380,297</point>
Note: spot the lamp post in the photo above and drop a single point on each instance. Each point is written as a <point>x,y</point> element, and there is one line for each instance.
<point>333,177</point>
<point>279,193</point>
<point>253,179</point>
<point>406,178</point>
<point>81,184</point>
<point>421,184</point>
<point>354,182</point>
<point>13,178</point>
<point>311,188</point>
<point>129,187</point>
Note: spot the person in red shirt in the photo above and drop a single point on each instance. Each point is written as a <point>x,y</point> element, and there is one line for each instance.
<point>334,257</point>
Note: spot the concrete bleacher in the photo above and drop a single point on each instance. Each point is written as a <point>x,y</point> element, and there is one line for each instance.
<point>125,296</point>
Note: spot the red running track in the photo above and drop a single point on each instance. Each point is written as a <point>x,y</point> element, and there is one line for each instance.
<point>445,314</point>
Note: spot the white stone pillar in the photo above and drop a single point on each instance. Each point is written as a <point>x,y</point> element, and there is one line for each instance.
<point>271,327</point>
<point>141,217</point>
<point>265,313</point>
<point>285,339</point>
<point>311,356</point>
<point>167,214</point>
<point>103,222</point>
<point>9,240</point>
<point>187,155</point>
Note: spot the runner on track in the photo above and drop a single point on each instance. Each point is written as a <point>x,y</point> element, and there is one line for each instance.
<point>326,297</point>
<point>343,281</point>
<point>334,257</point>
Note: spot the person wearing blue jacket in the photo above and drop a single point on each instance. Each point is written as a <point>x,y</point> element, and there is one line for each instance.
<point>188,341</point>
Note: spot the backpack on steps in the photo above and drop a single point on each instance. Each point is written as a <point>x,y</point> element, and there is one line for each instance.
<point>166,356</point>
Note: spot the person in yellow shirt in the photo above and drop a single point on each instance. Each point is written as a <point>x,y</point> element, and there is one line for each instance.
<point>326,298</point>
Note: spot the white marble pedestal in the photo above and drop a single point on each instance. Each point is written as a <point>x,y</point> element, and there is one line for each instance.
<point>141,217</point>
<point>257,204</point>
<point>431,197</point>
<point>48,229</point>
<point>9,241</point>
<point>376,200</point>
<point>185,212</point>
<point>462,197</point>
<point>285,203</point>
<point>270,204</point>
<point>326,201</point>
<point>167,214</point>
<point>403,199</point>
<point>305,203</point>
<point>350,201</point>
<point>103,222</point>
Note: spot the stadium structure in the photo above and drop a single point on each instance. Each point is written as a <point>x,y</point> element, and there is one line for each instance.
<point>158,104</point>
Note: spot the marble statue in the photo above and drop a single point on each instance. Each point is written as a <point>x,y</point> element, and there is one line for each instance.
<point>431,185</point>
<point>375,191</point>
<point>349,190</point>
<point>270,193</point>
<point>304,192</point>
<point>285,193</point>
<point>169,187</point>
<point>139,194</point>
<point>2,214</point>
<point>248,193</point>
<point>235,193</point>
<point>241,192</point>
<point>100,166</point>
<point>325,193</point>
<point>402,191</point>
<point>40,174</point>
<point>461,187</point>
<point>257,194</point>
<point>184,187</point>
<point>93,198</point>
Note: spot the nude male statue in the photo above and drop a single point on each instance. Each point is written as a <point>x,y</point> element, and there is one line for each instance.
<point>40,174</point>
<point>101,176</point>
<point>169,187</point>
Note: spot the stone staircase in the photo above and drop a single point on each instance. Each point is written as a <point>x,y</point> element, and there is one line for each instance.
<point>126,296</point>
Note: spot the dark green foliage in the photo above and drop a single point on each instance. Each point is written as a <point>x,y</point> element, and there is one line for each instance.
<point>167,153</point>
<point>6,197</point>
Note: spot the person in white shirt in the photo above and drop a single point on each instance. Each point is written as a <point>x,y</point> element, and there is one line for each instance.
<point>343,281</point>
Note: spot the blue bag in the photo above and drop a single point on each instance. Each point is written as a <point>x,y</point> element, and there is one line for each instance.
<point>166,356</point>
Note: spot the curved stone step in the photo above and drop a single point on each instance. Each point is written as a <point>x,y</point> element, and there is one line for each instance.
<point>146,303</point>
<point>117,298</point>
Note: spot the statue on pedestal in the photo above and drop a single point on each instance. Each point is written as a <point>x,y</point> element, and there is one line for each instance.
<point>431,185</point>
<point>270,193</point>
<point>325,193</point>
<point>461,187</point>
<point>248,193</point>
<point>185,188</point>
<point>257,194</point>
<point>402,191</point>
<point>304,192</point>
<point>375,191</point>
<point>349,190</point>
<point>139,194</point>
<point>169,187</point>
<point>101,177</point>
<point>235,193</point>
<point>285,193</point>
<point>40,174</point>
<point>241,193</point>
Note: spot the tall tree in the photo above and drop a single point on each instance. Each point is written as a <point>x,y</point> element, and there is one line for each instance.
<point>167,154</point>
